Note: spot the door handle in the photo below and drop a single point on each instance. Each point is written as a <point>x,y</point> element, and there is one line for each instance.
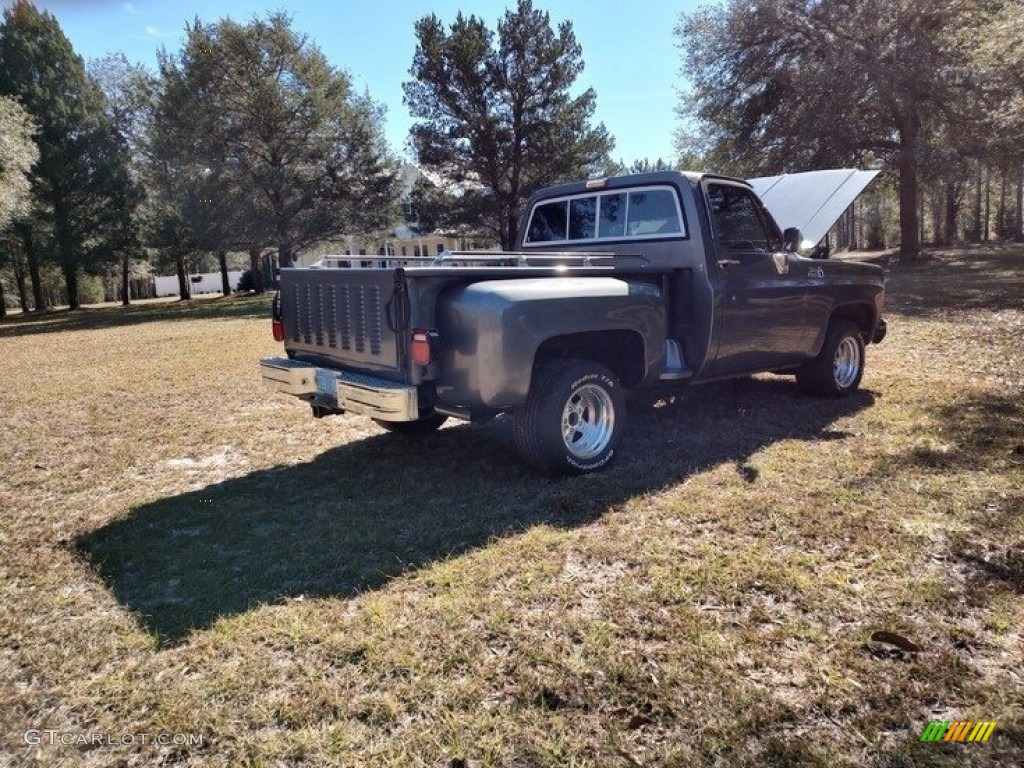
<point>728,262</point>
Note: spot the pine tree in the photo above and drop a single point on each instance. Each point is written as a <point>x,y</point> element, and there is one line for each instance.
<point>288,153</point>
<point>496,118</point>
<point>76,167</point>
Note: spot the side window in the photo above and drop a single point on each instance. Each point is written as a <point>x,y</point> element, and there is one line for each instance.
<point>738,220</point>
<point>613,216</point>
<point>653,212</point>
<point>582,213</point>
<point>548,223</point>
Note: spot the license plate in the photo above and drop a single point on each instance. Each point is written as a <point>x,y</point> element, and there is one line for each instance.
<point>327,385</point>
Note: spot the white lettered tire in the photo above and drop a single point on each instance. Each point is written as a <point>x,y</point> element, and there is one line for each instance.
<point>572,420</point>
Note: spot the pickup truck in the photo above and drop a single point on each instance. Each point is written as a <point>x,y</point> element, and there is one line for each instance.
<point>637,281</point>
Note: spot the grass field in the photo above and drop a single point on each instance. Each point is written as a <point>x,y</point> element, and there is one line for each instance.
<point>184,553</point>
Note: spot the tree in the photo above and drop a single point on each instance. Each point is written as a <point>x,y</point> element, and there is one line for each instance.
<point>781,85</point>
<point>272,126</point>
<point>18,153</point>
<point>999,56</point>
<point>643,165</point>
<point>499,120</point>
<point>75,168</point>
<point>129,91</point>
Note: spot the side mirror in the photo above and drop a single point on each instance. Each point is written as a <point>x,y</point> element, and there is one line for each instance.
<point>791,239</point>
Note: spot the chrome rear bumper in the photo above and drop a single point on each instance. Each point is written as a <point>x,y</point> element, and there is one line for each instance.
<point>342,390</point>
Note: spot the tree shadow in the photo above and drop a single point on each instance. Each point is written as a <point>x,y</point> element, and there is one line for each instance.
<point>237,306</point>
<point>963,279</point>
<point>360,514</point>
<point>981,431</point>
<point>984,432</point>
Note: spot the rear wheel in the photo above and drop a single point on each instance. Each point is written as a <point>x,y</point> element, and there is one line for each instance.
<point>573,418</point>
<point>839,367</point>
<point>422,426</point>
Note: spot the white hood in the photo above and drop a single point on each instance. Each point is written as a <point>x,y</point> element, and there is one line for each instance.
<point>812,201</point>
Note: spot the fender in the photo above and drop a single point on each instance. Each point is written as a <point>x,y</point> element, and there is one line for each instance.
<point>490,331</point>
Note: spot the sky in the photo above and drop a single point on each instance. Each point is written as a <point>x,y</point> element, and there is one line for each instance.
<point>630,52</point>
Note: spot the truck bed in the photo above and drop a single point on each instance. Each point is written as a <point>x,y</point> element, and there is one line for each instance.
<point>354,312</point>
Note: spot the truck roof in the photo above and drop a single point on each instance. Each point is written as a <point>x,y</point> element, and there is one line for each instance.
<point>629,180</point>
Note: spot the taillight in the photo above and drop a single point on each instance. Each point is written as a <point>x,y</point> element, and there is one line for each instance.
<point>420,347</point>
<point>276,325</point>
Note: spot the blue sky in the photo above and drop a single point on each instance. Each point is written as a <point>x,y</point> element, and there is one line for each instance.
<point>628,46</point>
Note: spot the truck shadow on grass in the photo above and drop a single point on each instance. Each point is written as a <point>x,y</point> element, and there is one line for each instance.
<point>367,511</point>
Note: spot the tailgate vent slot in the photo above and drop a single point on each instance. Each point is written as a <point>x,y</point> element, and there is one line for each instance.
<point>345,318</point>
<point>320,315</point>
<point>376,314</point>
<point>332,327</point>
<point>307,331</point>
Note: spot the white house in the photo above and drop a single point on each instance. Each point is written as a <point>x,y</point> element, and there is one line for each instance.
<point>206,282</point>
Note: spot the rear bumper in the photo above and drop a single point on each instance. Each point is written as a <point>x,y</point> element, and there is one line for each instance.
<point>342,390</point>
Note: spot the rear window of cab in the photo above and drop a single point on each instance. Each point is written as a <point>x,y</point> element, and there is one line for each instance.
<point>645,212</point>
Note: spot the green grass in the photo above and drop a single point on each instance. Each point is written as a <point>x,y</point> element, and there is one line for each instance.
<point>184,552</point>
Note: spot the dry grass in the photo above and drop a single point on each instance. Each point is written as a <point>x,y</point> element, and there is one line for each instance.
<point>183,552</point>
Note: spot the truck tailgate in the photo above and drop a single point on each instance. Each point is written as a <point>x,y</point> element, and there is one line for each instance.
<point>341,316</point>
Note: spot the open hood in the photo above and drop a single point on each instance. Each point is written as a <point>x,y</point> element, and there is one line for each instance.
<point>812,201</point>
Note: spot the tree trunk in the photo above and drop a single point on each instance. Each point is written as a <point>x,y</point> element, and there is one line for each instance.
<point>854,244</point>
<point>222,257</point>
<point>988,205</point>
<point>509,229</point>
<point>254,270</point>
<point>952,212</point>
<point>1018,225</point>
<point>126,268</point>
<point>910,246</point>
<point>70,270</point>
<point>922,235</point>
<point>38,298</point>
<point>19,281</point>
<point>284,255</point>
<point>976,234</point>
<point>861,243</point>
<point>269,275</point>
<point>184,289</point>
<point>3,304</point>
<point>1002,220</point>
<point>66,251</point>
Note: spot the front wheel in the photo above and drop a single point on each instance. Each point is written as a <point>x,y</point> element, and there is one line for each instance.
<point>839,367</point>
<point>422,426</point>
<point>573,418</point>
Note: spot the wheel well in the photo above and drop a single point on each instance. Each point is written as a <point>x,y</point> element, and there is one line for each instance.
<point>861,315</point>
<point>622,352</point>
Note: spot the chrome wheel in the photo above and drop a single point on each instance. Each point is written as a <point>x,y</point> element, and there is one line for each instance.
<point>846,363</point>
<point>588,421</point>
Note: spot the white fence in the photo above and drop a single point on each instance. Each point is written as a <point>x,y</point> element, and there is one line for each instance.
<point>206,282</point>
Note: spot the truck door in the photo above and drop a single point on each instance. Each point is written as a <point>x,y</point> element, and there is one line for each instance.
<point>762,300</point>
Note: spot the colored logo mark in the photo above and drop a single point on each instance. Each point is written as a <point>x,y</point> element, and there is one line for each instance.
<point>958,730</point>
